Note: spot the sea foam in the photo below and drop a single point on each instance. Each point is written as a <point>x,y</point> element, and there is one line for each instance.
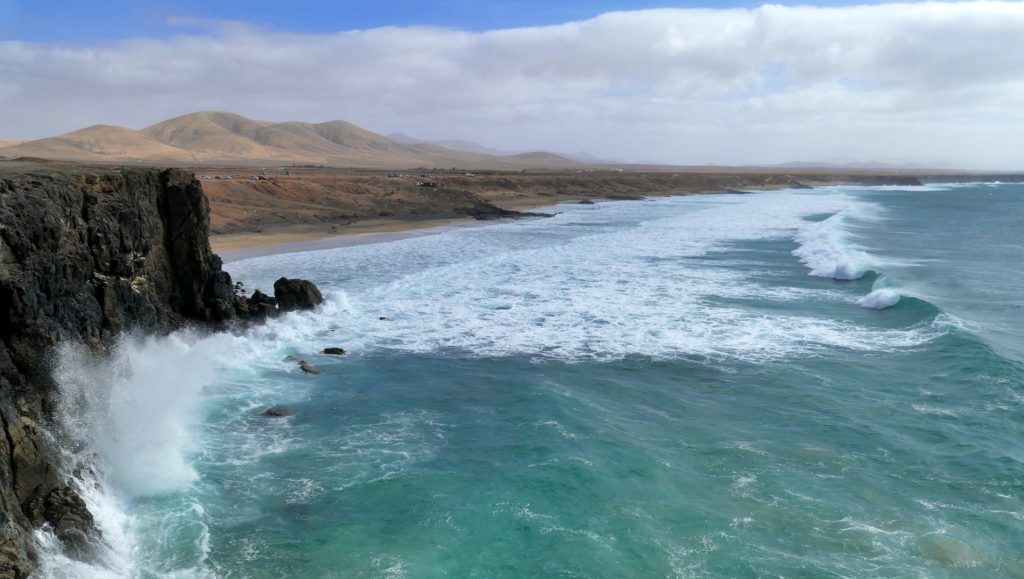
<point>601,283</point>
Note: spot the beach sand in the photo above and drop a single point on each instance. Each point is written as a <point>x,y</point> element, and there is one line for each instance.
<point>236,246</point>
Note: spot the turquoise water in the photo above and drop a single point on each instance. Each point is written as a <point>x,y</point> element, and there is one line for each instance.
<point>651,388</point>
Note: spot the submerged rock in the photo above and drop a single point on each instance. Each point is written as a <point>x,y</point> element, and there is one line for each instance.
<point>949,551</point>
<point>335,351</point>
<point>296,294</point>
<point>277,412</point>
<point>308,368</point>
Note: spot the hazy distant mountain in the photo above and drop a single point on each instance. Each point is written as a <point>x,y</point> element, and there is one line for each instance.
<point>471,147</point>
<point>215,137</point>
<point>454,144</point>
<point>857,165</point>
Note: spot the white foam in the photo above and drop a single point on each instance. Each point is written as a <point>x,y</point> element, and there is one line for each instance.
<point>613,281</point>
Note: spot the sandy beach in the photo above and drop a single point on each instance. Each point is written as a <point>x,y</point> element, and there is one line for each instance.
<point>237,246</point>
<point>296,238</point>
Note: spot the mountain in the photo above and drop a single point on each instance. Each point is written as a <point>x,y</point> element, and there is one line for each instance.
<point>471,147</point>
<point>97,143</point>
<point>860,165</point>
<point>454,144</point>
<point>223,138</point>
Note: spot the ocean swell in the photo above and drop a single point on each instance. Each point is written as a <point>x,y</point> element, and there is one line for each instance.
<point>830,250</point>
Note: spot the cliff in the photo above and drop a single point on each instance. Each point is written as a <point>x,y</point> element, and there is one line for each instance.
<point>84,254</point>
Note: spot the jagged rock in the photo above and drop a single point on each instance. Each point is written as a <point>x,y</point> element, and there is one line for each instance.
<point>335,351</point>
<point>72,522</point>
<point>261,305</point>
<point>277,413</point>
<point>296,294</point>
<point>308,368</point>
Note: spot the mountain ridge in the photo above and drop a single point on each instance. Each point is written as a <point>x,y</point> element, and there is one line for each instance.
<point>225,138</point>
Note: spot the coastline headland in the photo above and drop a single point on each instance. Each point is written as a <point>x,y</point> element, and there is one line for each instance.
<point>86,254</point>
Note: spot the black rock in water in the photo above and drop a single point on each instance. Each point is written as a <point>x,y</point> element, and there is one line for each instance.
<point>296,294</point>
<point>335,351</point>
<point>308,368</point>
<point>262,305</point>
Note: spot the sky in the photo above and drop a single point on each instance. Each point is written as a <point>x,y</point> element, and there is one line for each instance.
<point>683,82</point>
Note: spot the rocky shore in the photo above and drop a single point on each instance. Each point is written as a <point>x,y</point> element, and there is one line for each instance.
<point>86,254</point>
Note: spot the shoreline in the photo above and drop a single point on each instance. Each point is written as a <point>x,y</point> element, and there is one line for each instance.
<point>239,246</point>
<point>299,238</point>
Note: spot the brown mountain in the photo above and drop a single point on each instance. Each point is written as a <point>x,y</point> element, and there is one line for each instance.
<point>99,143</point>
<point>222,138</point>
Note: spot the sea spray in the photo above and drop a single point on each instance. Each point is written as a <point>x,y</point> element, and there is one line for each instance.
<point>127,421</point>
<point>136,408</point>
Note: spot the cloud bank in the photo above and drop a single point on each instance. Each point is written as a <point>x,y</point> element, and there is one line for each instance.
<point>925,82</point>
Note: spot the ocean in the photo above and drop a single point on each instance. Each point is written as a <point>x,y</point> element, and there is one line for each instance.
<point>799,383</point>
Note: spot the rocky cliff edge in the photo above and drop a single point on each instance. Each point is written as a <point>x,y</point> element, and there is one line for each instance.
<point>84,255</point>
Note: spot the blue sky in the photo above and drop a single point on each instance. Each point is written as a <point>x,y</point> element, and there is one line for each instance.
<point>76,21</point>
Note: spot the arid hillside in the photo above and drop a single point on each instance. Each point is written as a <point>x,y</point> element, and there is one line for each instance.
<point>221,138</point>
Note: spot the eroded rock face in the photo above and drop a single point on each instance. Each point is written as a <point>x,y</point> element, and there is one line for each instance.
<point>296,294</point>
<point>85,254</point>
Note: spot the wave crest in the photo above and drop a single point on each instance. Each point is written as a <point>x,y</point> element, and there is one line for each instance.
<point>827,247</point>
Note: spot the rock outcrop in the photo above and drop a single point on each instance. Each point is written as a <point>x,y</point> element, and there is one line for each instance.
<point>85,254</point>
<point>296,294</point>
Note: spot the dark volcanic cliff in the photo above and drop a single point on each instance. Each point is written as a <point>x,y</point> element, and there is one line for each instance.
<point>85,253</point>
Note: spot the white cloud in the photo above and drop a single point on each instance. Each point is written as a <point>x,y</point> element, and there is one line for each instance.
<point>899,82</point>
